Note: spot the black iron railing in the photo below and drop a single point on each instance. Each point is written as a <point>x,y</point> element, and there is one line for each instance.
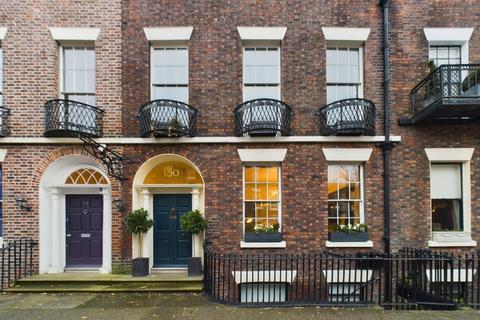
<point>406,280</point>
<point>263,117</point>
<point>348,117</point>
<point>4,112</point>
<point>459,83</point>
<point>167,118</point>
<point>16,261</point>
<point>66,118</point>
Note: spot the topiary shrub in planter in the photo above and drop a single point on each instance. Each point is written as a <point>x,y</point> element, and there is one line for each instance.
<point>348,233</point>
<point>193,222</point>
<point>138,223</point>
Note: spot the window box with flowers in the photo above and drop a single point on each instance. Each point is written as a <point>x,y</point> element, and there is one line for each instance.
<point>348,233</point>
<point>264,234</point>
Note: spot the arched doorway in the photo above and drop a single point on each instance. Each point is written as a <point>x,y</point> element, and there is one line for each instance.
<point>75,216</point>
<point>167,186</point>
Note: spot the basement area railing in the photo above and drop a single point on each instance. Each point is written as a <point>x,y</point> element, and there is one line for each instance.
<point>409,279</point>
<point>16,261</point>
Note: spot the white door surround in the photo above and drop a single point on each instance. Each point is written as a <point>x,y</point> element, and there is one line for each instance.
<point>52,239</point>
<point>143,198</point>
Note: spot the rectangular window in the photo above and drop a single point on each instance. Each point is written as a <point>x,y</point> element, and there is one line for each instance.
<point>345,194</point>
<point>447,196</point>
<point>263,292</point>
<point>78,74</point>
<point>261,197</point>
<point>261,73</point>
<point>344,73</point>
<point>169,73</point>
<point>445,55</point>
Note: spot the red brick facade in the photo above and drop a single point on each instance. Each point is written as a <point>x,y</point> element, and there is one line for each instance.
<point>215,89</point>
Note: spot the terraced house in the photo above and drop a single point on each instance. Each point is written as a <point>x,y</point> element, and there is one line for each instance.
<point>282,122</point>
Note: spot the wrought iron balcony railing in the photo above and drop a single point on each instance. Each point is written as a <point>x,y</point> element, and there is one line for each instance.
<point>167,118</point>
<point>4,112</point>
<point>66,118</point>
<point>263,117</point>
<point>348,117</point>
<point>450,91</point>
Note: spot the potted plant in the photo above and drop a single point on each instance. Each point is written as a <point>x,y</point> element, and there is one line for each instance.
<point>348,233</point>
<point>194,223</point>
<point>138,223</point>
<point>261,233</point>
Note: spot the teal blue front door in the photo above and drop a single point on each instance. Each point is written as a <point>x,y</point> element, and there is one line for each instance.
<point>171,246</point>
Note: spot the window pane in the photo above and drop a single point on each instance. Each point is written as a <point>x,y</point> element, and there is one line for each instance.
<point>343,212</point>
<point>332,209</point>
<point>446,181</point>
<point>261,174</point>
<point>447,215</point>
<point>273,211</point>
<point>272,174</point>
<point>355,210</point>
<point>332,191</point>
<point>272,191</point>
<point>249,191</point>
<point>355,191</point>
<point>261,193</point>
<point>249,174</point>
<point>261,210</point>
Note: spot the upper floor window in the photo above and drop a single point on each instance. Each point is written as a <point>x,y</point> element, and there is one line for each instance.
<point>344,73</point>
<point>169,73</point>
<point>440,55</point>
<point>447,196</point>
<point>78,74</point>
<point>345,194</point>
<point>261,72</point>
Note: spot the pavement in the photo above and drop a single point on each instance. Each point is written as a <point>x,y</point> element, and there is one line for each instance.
<point>142,306</point>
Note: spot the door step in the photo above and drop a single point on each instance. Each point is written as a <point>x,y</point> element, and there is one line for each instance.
<point>179,271</point>
<point>93,269</point>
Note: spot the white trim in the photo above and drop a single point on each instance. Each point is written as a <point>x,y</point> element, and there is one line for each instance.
<point>3,33</point>
<point>256,245</point>
<point>264,276</point>
<point>441,244</point>
<point>347,154</point>
<point>75,34</point>
<point>449,154</point>
<point>358,35</point>
<point>458,275</point>
<point>262,155</point>
<point>348,276</point>
<point>262,33</point>
<point>365,244</point>
<point>194,140</point>
<point>447,36</point>
<point>168,33</point>
<point>3,154</point>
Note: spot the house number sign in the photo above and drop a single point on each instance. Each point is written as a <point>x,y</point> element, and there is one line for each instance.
<point>171,172</point>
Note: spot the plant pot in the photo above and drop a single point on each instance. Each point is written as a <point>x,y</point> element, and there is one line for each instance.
<point>194,267</point>
<point>140,267</point>
<point>263,237</point>
<point>348,237</point>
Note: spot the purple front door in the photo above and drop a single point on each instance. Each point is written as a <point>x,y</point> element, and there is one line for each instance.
<point>84,215</point>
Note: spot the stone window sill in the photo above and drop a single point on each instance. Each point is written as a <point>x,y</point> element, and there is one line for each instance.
<point>451,239</point>
<point>365,244</point>
<point>254,245</point>
<point>444,244</point>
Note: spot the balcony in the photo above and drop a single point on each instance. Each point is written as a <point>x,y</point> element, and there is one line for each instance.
<point>263,117</point>
<point>66,118</point>
<point>348,117</point>
<point>4,112</point>
<point>167,118</point>
<point>449,92</point>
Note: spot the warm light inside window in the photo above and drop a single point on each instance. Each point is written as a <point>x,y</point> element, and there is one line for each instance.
<point>173,172</point>
<point>86,176</point>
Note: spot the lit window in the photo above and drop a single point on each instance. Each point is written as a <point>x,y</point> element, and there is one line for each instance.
<point>261,73</point>
<point>345,194</point>
<point>444,55</point>
<point>78,72</point>
<point>447,197</point>
<point>344,73</point>
<point>261,197</point>
<point>169,73</point>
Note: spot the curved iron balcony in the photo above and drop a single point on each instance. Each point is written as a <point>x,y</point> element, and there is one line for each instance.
<point>450,91</point>
<point>167,118</point>
<point>4,112</point>
<point>348,117</point>
<point>67,118</point>
<point>263,117</point>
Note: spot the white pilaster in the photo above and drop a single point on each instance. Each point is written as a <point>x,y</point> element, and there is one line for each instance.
<point>197,239</point>
<point>147,245</point>
<point>107,231</point>
<point>56,265</point>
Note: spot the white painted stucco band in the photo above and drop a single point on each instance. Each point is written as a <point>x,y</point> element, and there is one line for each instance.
<point>75,34</point>
<point>262,155</point>
<point>346,34</point>
<point>262,33</point>
<point>168,33</point>
<point>347,154</point>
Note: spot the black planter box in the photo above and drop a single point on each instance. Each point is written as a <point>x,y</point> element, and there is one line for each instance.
<point>140,267</point>
<point>263,237</point>
<point>348,237</point>
<point>194,267</point>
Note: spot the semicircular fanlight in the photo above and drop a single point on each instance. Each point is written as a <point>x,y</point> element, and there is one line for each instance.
<point>86,176</point>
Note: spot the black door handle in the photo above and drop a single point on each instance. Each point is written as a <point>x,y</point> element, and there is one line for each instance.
<point>173,213</point>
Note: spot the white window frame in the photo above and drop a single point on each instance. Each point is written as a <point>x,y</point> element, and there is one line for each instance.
<point>361,201</point>
<point>169,44</point>
<point>340,45</point>
<point>450,37</point>
<point>463,238</point>
<point>444,46</point>
<point>279,201</point>
<point>267,45</point>
<point>61,87</point>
